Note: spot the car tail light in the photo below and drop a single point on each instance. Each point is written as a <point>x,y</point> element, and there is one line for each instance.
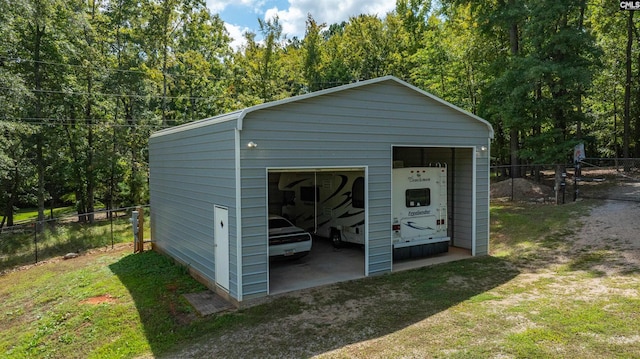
<point>440,222</point>
<point>395,227</point>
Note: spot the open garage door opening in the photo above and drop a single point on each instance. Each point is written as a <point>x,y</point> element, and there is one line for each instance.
<point>432,204</point>
<point>328,204</point>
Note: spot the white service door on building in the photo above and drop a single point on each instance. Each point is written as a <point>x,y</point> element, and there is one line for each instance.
<point>221,246</point>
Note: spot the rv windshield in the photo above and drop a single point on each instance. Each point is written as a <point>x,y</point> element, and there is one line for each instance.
<point>418,197</point>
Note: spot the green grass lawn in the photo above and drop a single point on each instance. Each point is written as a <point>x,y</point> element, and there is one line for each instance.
<point>517,303</point>
<point>31,214</point>
<point>59,238</point>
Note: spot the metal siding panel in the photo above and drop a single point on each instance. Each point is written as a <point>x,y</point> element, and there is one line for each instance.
<point>254,222</point>
<point>190,171</point>
<point>481,251</point>
<point>482,205</point>
<point>462,205</point>
<point>354,128</point>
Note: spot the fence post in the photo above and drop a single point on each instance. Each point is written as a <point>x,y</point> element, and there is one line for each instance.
<point>110,214</point>
<point>512,189</point>
<point>559,187</point>
<point>577,176</point>
<point>134,225</point>
<point>35,239</point>
<point>140,229</point>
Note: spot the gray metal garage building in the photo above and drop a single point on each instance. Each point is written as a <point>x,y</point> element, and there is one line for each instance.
<point>210,179</point>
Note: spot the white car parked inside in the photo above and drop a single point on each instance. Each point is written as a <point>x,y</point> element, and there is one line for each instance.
<point>287,240</point>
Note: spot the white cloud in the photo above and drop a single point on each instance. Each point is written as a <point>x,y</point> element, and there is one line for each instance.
<point>236,33</point>
<point>293,19</point>
<point>217,6</point>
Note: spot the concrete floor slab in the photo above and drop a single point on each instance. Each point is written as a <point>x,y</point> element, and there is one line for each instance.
<point>324,265</point>
<point>327,265</point>
<point>207,302</point>
<point>454,254</point>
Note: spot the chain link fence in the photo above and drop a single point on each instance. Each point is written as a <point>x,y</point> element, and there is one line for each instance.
<point>34,241</point>
<point>590,178</point>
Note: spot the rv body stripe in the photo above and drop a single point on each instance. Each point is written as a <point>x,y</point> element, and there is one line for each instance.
<point>295,183</point>
<point>413,225</point>
<point>343,183</point>
<point>347,200</point>
<point>347,214</point>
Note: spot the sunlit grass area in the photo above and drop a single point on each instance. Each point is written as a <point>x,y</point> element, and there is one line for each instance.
<point>31,214</point>
<point>28,246</point>
<point>519,302</point>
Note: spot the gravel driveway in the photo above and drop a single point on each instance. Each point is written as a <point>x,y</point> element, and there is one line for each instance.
<point>605,241</point>
<point>614,226</point>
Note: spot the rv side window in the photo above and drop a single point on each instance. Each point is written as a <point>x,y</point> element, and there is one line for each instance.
<point>288,198</point>
<point>307,193</point>
<point>357,191</point>
<point>418,197</point>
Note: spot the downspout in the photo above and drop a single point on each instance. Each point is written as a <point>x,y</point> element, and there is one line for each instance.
<point>488,195</point>
<point>474,191</point>
<point>238,212</point>
<point>452,221</point>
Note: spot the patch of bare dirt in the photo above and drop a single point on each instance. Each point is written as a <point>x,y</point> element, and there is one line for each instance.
<point>100,299</point>
<point>521,189</point>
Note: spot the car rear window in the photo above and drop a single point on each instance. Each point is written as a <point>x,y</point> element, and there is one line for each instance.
<point>279,223</point>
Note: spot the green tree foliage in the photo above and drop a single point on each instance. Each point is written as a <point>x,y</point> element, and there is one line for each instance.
<point>312,54</point>
<point>559,64</point>
<point>605,101</point>
<point>85,82</point>
<point>203,48</point>
<point>534,85</point>
<point>90,80</point>
<point>267,59</point>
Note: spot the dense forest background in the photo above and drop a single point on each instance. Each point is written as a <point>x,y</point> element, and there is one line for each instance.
<point>83,83</point>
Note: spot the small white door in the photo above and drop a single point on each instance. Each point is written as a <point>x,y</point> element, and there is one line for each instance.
<point>221,246</point>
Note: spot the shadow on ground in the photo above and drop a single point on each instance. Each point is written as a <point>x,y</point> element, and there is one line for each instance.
<point>319,320</point>
<point>302,323</point>
<point>157,285</point>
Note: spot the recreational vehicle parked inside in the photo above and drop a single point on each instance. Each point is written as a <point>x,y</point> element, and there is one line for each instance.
<point>327,204</point>
<point>419,211</point>
<point>331,205</point>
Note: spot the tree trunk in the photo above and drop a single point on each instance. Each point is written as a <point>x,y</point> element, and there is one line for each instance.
<point>165,54</point>
<point>90,185</point>
<point>89,166</point>
<point>39,136</point>
<point>627,93</point>
<point>514,146</point>
<point>13,189</point>
<point>636,115</point>
<point>583,6</point>
<point>514,133</point>
<point>80,192</point>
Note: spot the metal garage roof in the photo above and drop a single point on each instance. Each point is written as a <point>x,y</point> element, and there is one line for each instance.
<point>240,114</point>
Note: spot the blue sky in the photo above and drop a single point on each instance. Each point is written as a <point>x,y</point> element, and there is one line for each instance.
<point>242,15</point>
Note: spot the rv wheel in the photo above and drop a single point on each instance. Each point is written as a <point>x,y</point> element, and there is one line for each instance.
<point>336,238</point>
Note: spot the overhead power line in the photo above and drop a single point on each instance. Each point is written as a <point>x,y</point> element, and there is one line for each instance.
<point>80,93</point>
<point>110,69</point>
<point>76,122</point>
